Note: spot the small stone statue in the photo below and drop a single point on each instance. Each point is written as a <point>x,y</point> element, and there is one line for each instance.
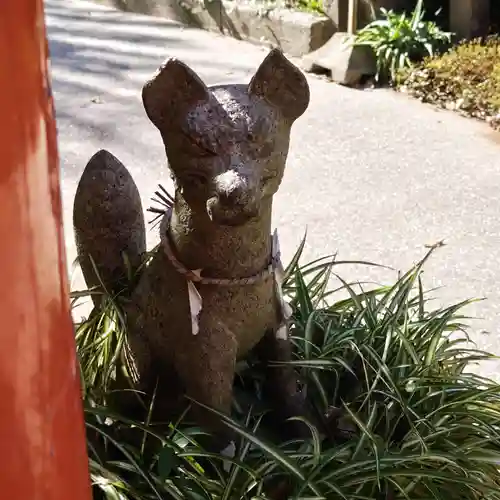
<point>211,291</point>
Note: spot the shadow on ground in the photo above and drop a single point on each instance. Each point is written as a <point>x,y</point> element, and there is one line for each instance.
<point>89,42</point>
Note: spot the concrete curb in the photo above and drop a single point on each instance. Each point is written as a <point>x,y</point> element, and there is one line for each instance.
<point>295,32</point>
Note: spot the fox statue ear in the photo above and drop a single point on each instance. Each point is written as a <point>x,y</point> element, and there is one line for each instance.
<point>281,84</point>
<point>175,86</point>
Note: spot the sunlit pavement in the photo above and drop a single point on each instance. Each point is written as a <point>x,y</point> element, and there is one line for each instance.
<point>373,175</point>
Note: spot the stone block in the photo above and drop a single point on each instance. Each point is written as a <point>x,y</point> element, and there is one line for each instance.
<point>347,63</point>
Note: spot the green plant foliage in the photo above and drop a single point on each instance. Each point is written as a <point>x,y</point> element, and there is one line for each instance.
<point>401,416</point>
<point>466,79</point>
<point>310,6</point>
<point>399,40</point>
<point>314,6</point>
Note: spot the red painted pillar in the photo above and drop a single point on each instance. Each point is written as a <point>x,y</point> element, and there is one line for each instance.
<point>42,442</point>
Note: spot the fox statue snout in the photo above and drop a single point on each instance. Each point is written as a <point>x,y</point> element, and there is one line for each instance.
<point>234,199</point>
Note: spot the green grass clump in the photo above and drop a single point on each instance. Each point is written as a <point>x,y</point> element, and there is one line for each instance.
<point>389,376</point>
<point>466,79</point>
<point>399,40</point>
<point>311,6</point>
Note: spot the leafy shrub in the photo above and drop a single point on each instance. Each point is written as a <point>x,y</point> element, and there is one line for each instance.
<point>402,417</point>
<point>466,78</point>
<point>309,5</point>
<point>312,6</point>
<point>399,40</point>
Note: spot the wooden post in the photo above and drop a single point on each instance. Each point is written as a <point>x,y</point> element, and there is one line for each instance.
<point>41,422</point>
<point>352,17</point>
<point>469,18</point>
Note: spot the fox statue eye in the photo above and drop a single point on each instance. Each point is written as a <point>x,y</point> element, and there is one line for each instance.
<point>197,147</point>
<point>193,179</point>
<point>202,152</point>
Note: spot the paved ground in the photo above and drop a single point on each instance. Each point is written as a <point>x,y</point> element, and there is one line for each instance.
<point>372,174</point>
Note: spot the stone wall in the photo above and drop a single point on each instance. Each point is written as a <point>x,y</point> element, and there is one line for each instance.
<point>295,32</point>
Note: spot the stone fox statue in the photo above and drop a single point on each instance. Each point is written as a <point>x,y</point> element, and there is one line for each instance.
<point>209,294</point>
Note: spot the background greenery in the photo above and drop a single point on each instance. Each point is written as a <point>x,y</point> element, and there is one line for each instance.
<point>414,54</point>
<point>401,39</point>
<point>466,79</point>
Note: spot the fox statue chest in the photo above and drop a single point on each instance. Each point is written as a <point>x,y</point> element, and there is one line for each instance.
<point>161,308</point>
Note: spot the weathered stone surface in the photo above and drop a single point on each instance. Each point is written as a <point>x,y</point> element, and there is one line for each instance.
<point>108,222</point>
<point>347,63</point>
<point>295,32</point>
<point>226,147</point>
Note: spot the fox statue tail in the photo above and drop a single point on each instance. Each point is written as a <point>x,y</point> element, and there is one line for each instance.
<point>109,224</point>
